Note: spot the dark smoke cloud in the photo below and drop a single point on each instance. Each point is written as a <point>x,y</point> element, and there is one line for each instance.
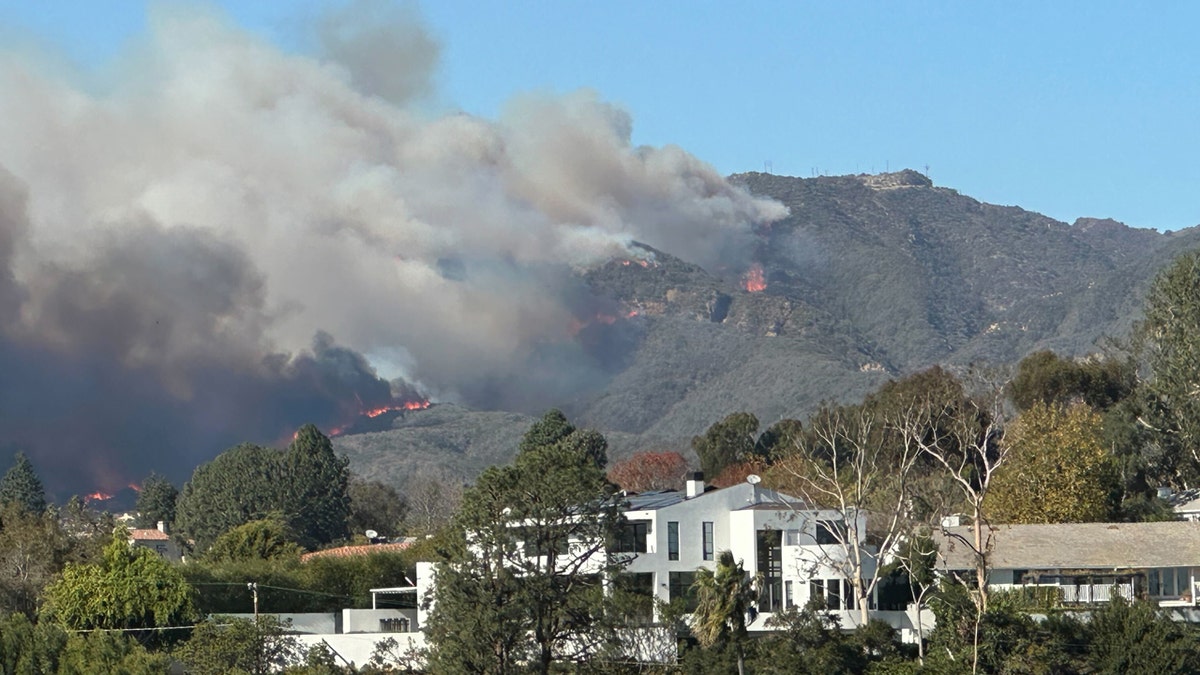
<point>171,242</point>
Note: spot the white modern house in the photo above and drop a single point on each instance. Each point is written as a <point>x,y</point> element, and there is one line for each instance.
<point>798,550</point>
<point>1087,563</point>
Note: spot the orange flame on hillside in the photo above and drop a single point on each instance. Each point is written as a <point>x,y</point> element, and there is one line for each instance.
<point>135,487</point>
<point>97,496</point>
<point>372,413</point>
<point>407,405</point>
<point>754,281</point>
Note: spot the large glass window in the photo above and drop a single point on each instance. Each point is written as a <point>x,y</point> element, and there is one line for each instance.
<point>672,541</point>
<point>679,585</point>
<point>770,570</point>
<point>633,537</point>
<point>707,528</point>
<point>635,594</point>
<point>831,532</point>
<point>832,590</point>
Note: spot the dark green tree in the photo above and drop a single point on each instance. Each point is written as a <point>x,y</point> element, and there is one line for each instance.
<point>316,500</point>
<point>727,442</point>
<point>241,484</point>
<point>21,485</point>
<point>29,648</point>
<point>1047,378</point>
<point>550,429</point>
<point>588,443</point>
<point>524,579</point>
<point>780,438</point>
<point>227,645</point>
<point>375,505</point>
<point>156,502</point>
<point>1137,639</point>
<point>810,641</point>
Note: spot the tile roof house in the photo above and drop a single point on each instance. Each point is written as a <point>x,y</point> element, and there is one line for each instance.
<point>157,540</point>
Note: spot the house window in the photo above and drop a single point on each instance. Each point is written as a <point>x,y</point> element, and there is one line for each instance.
<point>831,590</point>
<point>789,600</point>
<point>791,538</point>
<point>544,542</point>
<point>831,532</point>
<point>394,625</point>
<point>679,585</point>
<point>637,595</point>
<point>633,537</point>
<point>672,541</point>
<point>770,570</point>
<point>707,528</point>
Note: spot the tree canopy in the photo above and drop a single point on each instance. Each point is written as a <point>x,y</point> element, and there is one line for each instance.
<point>1169,339</point>
<point>523,582</point>
<point>1058,470</point>
<point>156,501</point>
<point>307,485</point>
<point>21,485</point>
<point>729,441</point>
<point>130,588</point>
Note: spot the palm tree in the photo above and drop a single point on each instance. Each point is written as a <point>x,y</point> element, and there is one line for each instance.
<point>724,599</point>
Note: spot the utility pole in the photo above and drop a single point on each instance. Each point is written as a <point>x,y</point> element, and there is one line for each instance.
<point>253,586</point>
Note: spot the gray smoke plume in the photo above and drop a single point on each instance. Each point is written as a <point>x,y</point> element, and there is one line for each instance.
<point>172,238</point>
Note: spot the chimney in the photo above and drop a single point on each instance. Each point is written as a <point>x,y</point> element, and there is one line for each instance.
<point>695,485</point>
<point>162,526</point>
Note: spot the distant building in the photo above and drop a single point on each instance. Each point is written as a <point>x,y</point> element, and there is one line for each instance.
<point>1087,563</point>
<point>157,540</point>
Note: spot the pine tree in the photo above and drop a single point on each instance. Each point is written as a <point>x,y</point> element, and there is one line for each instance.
<point>317,500</point>
<point>22,486</point>
<point>156,501</point>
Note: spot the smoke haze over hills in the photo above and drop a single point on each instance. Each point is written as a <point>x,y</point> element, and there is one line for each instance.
<point>198,246</point>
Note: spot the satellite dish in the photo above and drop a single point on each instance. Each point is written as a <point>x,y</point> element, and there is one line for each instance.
<point>371,534</point>
<point>753,479</point>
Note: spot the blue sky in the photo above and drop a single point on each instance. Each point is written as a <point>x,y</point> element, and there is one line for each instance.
<point>1067,108</point>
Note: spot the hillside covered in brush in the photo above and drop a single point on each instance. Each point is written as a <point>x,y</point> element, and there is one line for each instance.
<point>868,278</point>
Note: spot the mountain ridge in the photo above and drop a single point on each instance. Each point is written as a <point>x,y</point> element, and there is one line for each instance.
<point>869,277</point>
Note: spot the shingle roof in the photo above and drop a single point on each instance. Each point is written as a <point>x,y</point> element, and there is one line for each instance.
<point>1078,546</point>
<point>144,535</point>
<point>366,549</point>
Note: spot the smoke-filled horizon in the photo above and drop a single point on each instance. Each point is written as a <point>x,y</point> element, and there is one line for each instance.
<point>199,249</point>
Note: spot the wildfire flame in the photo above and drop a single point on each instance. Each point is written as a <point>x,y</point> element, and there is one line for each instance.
<point>644,263</point>
<point>754,281</point>
<point>96,497</point>
<point>135,487</point>
<point>407,405</point>
<point>372,413</point>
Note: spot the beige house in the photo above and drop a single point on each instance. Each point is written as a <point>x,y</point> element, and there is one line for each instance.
<point>157,540</point>
<point>1087,562</point>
